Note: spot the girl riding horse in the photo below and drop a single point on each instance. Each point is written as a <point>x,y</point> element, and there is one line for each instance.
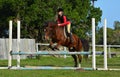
<point>63,21</point>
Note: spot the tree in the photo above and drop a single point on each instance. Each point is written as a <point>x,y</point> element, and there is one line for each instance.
<point>110,36</point>
<point>117,25</point>
<point>116,37</point>
<point>33,14</point>
<point>116,33</point>
<point>113,36</point>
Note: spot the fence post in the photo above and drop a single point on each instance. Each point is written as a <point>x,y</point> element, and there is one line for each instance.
<point>105,44</point>
<point>18,42</point>
<point>36,46</point>
<point>10,44</point>
<point>65,51</point>
<point>109,51</point>
<point>93,45</point>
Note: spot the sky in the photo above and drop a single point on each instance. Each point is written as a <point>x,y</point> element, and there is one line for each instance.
<point>110,11</point>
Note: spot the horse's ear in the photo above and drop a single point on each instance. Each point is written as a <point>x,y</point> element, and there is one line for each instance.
<point>45,24</point>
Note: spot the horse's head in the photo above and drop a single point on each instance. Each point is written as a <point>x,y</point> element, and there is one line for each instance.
<point>49,29</point>
<point>48,33</point>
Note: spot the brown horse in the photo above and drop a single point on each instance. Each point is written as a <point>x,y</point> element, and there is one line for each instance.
<point>56,34</point>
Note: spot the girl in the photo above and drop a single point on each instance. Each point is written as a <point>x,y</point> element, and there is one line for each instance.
<point>62,21</point>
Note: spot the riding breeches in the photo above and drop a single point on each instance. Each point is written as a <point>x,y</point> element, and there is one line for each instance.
<point>68,28</point>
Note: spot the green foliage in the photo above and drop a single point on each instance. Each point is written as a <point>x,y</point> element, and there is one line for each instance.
<point>117,25</point>
<point>33,14</point>
<point>116,37</point>
<point>110,34</point>
<point>113,36</point>
<point>110,38</point>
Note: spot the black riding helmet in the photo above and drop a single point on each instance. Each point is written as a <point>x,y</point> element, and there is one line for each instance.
<point>59,9</point>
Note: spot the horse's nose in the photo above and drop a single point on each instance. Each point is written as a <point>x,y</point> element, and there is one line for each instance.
<point>44,37</point>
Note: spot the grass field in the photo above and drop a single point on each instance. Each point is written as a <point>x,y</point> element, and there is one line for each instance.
<point>53,61</point>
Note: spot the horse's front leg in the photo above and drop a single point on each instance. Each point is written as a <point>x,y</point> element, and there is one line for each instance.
<point>51,45</point>
<point>57,46</point>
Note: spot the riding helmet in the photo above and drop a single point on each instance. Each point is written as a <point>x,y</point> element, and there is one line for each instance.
<point>59,9</point>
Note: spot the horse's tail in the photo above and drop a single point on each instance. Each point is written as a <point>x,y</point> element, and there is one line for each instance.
<point>85,44</point>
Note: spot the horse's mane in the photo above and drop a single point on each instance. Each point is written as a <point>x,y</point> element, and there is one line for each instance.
<point>53,23</point>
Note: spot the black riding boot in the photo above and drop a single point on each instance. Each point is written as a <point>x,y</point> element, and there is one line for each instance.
<point>70,36</point>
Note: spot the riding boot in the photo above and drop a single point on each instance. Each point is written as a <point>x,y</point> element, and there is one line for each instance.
<point>70,36</point>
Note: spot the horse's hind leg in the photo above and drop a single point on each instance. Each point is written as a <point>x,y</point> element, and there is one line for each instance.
<point>74,57</point>
<point>75,60</point>
<point>80,60</point>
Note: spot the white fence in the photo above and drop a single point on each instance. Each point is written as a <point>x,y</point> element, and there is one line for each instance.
<point>110,52</point>
<point>26,45</point>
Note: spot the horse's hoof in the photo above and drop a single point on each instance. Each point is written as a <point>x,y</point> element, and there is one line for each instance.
<point>79,65</point>
<point>56,48</point>
<point>53,49</point>
<point>71,48</point>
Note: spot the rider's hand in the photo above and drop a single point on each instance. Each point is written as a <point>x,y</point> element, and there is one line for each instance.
<point>59,24</point>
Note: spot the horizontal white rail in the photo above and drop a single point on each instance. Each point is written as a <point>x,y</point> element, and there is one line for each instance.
<point>90,45</point>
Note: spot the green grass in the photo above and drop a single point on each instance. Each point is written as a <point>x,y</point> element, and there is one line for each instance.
<point>57,73</point>
<point>53,61</point>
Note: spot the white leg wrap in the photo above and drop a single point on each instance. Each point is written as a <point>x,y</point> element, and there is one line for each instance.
<point>79,65</point>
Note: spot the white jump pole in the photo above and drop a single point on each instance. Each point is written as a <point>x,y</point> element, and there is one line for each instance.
<point>105,44</point>
<point>93,45</point>
<point>65,50</point>
<point>10,44</point>
<point>18,42</point>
